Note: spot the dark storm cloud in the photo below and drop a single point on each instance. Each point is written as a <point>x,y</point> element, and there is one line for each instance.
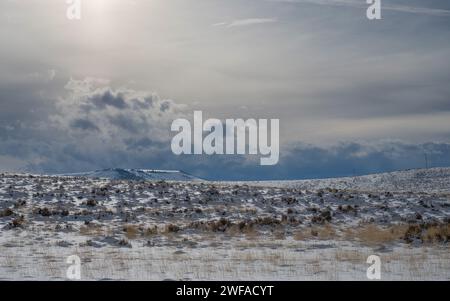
<point>164,106</point>
<point>127,123</point>
<point>140,144</point>
<point>84,124</point>
<point>92,125</point>
<point>108,98</point>
<point>145,102</point>
<point>302,161</point>
<point>21,103</point>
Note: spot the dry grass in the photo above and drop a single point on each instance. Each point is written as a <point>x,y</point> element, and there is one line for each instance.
<point>354,256</point>
<point>131,231</point>
<point>279,234</point>
<point>150,231</point>
<point>327,231</point>
<point>437,233</point>
<point>172,228</point>
<point>251,233</point>
<point>373,235</point>
<point>427,233</point>
<point>92,230</point>
<point>300,235</point>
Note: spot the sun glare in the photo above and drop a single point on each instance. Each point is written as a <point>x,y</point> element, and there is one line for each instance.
<point>99,7</point>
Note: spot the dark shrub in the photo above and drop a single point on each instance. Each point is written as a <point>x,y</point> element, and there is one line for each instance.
<point>171,228</point>
<point>91,202</point>
<point>6,212</point>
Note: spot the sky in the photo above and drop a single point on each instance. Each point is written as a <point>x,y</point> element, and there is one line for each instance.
<point>353,96</point>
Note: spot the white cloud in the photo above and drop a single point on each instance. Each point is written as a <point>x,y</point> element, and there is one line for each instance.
<point>45,76</point>
<point>362,4</point>
<point>220,24</point>
<point>246,22</point>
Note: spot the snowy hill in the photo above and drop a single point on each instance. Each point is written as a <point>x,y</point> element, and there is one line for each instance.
<point>137,174</point>
<point>417,180</point>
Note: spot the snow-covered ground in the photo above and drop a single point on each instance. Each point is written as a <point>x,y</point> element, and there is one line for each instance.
<point>291,230</point>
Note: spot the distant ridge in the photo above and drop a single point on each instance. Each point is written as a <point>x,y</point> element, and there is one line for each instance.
<point>136,174</point>
<point>424,180</point>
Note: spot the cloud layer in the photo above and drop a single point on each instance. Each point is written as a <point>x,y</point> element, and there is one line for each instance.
<point>94,126</point>
<point>91,126</point>
<point>411,8</point>
<point>367,96</point>
<point>246,22</point>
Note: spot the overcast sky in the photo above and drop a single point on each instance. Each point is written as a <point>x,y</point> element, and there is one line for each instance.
<point>353,96</point>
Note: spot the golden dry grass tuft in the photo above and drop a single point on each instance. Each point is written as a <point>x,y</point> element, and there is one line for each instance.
<point>151,230</point>
<point>172,228</point>
<point>373,235</point>
<point>437,233</point>
<point>325,232</point>
<point>92,230</point>
<point>131,231</point>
